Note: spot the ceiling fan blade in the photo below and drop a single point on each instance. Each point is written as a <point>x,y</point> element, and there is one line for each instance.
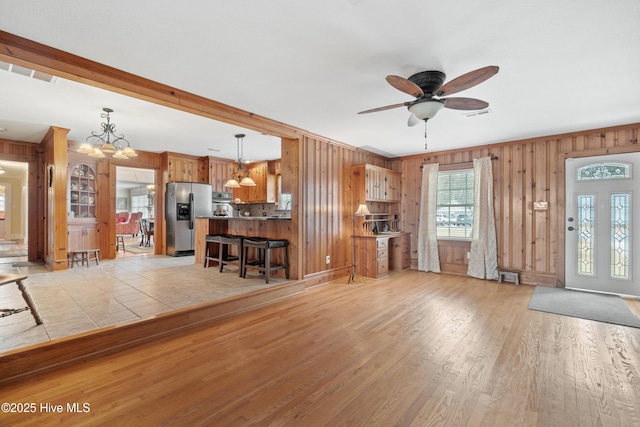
<point>388,107</point>
<point>468,80</point>
<point>406,86</point>
<point>465,103</point>
<point>413,120</point>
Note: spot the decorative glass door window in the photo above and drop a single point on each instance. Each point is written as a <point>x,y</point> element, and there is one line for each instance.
<point>620,238</point>
<point>586,235</point>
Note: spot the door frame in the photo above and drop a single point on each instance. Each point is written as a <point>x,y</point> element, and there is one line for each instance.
<point>8,234</point>
<point>562,200</point>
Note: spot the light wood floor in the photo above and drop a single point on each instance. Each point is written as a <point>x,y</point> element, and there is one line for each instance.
<point>414,349</point>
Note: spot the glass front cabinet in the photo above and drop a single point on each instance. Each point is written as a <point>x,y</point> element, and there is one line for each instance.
<point>82,192</point>
<point>82,200</point>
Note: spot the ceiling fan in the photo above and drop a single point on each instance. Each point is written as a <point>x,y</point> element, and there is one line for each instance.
<point>427,87</point>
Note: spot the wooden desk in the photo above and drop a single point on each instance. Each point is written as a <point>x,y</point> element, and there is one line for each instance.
<point>376,254</point>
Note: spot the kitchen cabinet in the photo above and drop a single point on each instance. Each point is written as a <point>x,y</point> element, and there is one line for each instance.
<point>265,188</point>
<point>183,168</point>
<point>219,173</point>
<point>275,167</point>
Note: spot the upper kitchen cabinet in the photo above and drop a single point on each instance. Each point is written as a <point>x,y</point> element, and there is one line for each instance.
<point>265,188</point>
<point>183,168</point>
<point>375,184</point>
<point>219,172</point>
<point>275,167</point>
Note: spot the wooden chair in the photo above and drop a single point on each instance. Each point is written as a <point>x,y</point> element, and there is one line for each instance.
<point>19,280</point>
<point>146,229</point>
<point>120,243</point>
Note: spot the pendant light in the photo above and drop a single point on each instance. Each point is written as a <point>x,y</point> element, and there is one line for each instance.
<point>107,142</point>
<point>239,177</point>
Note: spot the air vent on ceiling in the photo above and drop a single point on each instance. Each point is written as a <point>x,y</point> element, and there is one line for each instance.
<point>477,113</point>
<point>38,75</point>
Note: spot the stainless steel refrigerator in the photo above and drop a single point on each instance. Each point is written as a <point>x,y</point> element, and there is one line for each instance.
<point>184,202</point>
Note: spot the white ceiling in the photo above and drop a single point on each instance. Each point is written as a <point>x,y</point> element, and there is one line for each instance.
<point>564,66</point>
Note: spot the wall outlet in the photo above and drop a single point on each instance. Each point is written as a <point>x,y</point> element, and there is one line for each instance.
<point>468,255</point>
<point>328,260</point>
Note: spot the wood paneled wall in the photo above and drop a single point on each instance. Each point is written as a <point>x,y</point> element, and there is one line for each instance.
<point>327,205</point>
<point>529,241</point>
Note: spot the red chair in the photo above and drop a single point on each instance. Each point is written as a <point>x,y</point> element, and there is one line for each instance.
<point>132,226</point>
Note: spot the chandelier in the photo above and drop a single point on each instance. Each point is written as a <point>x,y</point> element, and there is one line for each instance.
<point>240,177</point>
<point>106,141</point>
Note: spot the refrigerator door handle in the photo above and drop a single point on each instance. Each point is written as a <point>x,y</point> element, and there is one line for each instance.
<point>192,211</point>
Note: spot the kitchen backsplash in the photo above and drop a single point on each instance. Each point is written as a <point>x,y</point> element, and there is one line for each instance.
<point>263,209</point>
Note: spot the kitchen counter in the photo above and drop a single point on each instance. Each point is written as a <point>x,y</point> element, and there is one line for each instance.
<point>269,227</point>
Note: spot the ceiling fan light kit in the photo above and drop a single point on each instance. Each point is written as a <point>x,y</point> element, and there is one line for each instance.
<point>426,85</point>
<point>106,141</point>
<point>427,109</point>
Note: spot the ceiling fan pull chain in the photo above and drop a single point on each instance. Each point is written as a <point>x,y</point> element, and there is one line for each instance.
<point>425,135</point>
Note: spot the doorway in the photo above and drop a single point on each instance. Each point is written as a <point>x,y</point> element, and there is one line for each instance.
<point>13,211</point>
<point>135,203</point>
<point>602,207</point>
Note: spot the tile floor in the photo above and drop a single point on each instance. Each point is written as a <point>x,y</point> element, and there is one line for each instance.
<point>128,288</point>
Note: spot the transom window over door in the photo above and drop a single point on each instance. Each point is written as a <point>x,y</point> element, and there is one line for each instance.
<point>455,204</point>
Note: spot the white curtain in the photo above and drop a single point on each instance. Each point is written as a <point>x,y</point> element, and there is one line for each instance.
<point>483,260</point>
<point>428,259</point>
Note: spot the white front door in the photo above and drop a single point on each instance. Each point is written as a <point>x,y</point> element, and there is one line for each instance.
<point>602,207</point>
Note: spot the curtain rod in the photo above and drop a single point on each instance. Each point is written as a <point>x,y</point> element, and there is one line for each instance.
<point>462,163</point>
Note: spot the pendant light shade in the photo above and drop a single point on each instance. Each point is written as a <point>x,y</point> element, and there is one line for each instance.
<point>232,183</point>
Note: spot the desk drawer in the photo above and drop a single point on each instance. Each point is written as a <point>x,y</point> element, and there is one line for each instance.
<point>382,253</point>
<point>382,243</point>
<point>383,266</point>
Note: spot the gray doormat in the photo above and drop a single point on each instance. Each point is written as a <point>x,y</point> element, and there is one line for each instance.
<point>586,305</point>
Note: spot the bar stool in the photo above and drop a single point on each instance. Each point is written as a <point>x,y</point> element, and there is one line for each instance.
<point>263,265</point>
<point>216,256</point>
<point>19,280</point>
<point>226,241</point>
